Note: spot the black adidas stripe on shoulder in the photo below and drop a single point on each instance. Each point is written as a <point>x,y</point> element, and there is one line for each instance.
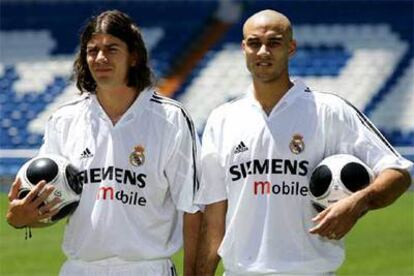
<point>367,123</point>
<point>164,100</point>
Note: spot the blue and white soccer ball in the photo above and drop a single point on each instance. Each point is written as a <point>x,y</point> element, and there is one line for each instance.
<point>55,170</point>
<point>337,177</point>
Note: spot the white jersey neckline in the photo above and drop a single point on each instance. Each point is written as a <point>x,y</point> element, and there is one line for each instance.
<point>133,111</point>
<point>289,97</point>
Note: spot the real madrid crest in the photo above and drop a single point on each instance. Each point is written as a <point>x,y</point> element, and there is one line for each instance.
<point>137,157</point>
<point>297,145</point>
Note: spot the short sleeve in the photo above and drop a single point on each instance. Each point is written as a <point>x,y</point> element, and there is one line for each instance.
<point>51,138</point>
<point>182,168</point>
<point>353,133</point>
<point>212,184</point>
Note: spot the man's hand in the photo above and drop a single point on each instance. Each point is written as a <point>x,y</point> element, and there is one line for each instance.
<point>31,209</point>
<point>338,219</point>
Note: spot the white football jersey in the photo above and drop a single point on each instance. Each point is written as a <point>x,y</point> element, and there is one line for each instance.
<point>262,165</point>
<point>138,177</point>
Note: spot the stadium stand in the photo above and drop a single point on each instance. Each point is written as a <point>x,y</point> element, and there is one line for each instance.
<point>360,52</point>
<point>38,41</point>
<point>395,115</point>
<point>351,55</point>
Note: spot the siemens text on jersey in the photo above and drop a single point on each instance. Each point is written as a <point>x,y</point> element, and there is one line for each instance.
<point>120,175</point>
<point>269,166</point>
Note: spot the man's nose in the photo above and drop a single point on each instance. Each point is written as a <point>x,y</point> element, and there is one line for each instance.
<point>263,50</point>
<point>101,57</point>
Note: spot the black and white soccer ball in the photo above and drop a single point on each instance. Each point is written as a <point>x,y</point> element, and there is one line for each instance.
<point>337,177</point>
<point>55,170</point>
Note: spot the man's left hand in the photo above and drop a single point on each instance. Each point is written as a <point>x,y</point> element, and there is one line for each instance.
<point>338,219</point>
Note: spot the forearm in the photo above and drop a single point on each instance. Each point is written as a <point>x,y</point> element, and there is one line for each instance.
<point>192,223</point>
<point>386,188</point>
<point>211,236</point>
<point>208,258</point>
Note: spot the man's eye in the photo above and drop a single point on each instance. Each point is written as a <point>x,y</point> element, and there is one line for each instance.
<point>254,44</point>
<point>91,51</point>
<point>273,43</point>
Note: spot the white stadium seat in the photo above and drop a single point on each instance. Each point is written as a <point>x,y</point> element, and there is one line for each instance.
<point>397,108</point>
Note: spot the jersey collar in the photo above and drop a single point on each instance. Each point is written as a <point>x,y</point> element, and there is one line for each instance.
<point>298,88</point>
<point>133,111</point>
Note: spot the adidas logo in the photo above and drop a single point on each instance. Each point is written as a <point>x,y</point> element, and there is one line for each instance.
<point>86,153</point>
<point>240,148</point>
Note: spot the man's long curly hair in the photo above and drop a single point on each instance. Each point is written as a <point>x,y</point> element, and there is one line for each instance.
<point>120,25</point>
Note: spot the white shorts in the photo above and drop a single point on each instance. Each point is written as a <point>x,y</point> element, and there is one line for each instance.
<point>229,273</point>
<point>163,267</point>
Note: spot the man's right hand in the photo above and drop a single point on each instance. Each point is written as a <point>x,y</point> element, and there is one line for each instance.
<point>29,210</point>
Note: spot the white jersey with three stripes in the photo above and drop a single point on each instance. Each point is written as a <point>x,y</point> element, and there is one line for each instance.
<point>139,176</point>
<point>261,164</point>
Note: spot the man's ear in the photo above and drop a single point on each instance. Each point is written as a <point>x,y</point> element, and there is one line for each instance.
<point>292,47</point>
<point>134,60</point>
<point>243,45</point>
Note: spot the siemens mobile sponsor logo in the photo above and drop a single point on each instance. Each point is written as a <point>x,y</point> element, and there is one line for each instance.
<point>281,167</point>
<point>269,166</point>
<point>120,176</point>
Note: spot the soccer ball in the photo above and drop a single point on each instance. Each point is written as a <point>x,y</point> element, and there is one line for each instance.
<point>55,170</point>
<point>337,177</point>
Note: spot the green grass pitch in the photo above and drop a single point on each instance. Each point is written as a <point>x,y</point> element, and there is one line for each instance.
<point>382,243</point>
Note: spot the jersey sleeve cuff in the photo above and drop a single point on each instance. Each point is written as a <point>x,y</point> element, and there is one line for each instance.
<point>207,201</point>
